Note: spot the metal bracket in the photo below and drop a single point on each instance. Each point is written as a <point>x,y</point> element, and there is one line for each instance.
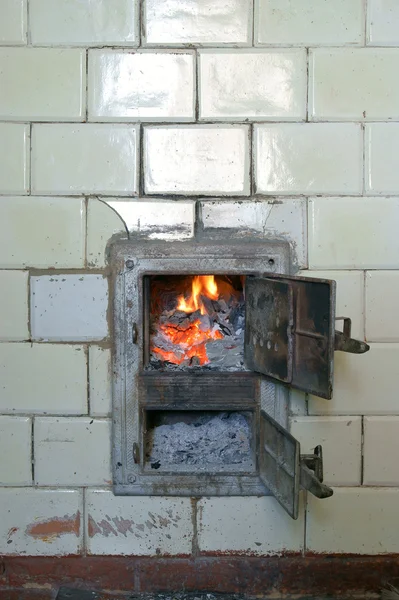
<point>311,477</point>
<point>345,343</point>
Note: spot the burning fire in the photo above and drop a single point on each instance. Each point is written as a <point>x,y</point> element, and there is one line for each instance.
<point>202,285</point>
<point>190,336</point>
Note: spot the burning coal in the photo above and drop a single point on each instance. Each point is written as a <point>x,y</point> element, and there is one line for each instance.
<point>190,315</point>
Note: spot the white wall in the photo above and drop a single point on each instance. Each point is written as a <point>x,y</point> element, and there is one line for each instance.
<point>233,106</point>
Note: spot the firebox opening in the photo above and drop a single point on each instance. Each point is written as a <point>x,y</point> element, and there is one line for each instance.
<point>217,441</point>
<point>196,321</point>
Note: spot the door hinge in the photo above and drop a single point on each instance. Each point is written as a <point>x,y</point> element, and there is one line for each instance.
<point>344,342</point>
<point>311,474</point>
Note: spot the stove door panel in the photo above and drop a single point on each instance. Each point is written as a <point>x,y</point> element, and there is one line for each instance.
<point>268,328</point>
<point>289,331</point>
<point>279,463</point>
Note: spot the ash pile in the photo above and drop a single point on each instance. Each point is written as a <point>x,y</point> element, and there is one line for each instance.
<point>208,439</point>
<point>211,337</point>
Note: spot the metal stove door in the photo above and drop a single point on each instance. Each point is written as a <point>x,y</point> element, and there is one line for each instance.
<point>284,470</point>
<point>279,461</point>
<point>290,332</point>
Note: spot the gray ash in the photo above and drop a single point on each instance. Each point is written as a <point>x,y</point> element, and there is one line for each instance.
<point>205,440</point>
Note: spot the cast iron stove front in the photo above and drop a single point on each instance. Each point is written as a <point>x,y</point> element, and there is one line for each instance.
<point>139,392</point>
<point>290,339</point>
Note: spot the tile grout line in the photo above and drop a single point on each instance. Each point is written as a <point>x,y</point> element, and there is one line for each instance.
<point>28,31</point>
<point>252,169</point>
<point>364,303</point>
<point>253,7</point>
<point>141,23</point>
<point>141,162</point>
<point>194,518</point>
<point>32,450</point>
<point>196,86</point>
<point>30,160</point>
<point>87,86</point>
<point>84,522</point>
<point>363,129</point>
<point>86,231</point>
<point>307,86</point>
<point>198,223</point>
<point>87,356</point>
<point>29,307</point>
<point>227,122</point>
<point>362,452</point>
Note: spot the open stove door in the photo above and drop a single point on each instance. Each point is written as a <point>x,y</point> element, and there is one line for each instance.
<point>290,331</point>
<point>284,470</point>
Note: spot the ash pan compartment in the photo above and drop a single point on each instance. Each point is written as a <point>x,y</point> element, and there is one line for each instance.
<point>199,441</point>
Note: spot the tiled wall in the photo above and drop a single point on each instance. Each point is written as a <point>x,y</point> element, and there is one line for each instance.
<point>277,117</point>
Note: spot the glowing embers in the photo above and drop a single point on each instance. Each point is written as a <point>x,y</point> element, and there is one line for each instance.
<point>197,321</point>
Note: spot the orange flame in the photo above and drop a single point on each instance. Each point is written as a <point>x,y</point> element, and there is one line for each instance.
<point>189,339</point>
<point>202,285</point>
<point>189,343</point>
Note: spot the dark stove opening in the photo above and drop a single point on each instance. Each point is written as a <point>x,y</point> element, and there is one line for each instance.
<point>195,321</point>
<point>202,441</point>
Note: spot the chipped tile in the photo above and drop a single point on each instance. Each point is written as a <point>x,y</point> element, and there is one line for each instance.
<point>40,522</point>
<point>138,526</point>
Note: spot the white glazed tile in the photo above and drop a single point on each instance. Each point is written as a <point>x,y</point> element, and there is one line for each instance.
<point>383,23</point>
<point>382,301</point>
<point>308,158</point>
<point>138,526</point>
<point>72,451</point>
<point>199,22</point>
<point>381,158</point>
<point>353,84</point>
<point>349,297</point>
<point>15,451</point>
<point>13,305</point>
<point>248,524</point>
<point>41,522</point>
<point>42,378</point>
<point>353,233</point>
<point>309,22</point>
<point>84,23</point>
<point>157,218</point>
<point>42,232</point>
<point>13,22</point>
<point>198,160</point>
<point>353,521</point>
<point>91,158</point>
<point>43,84</point>
<point>364,384</point>
<point>100,381</point>
<point>126,86</point>
<point>298,403</point>
<point>341,461</point>
<point>14,158</point>
<point>253,84</point>
<point>381,449</point>
<point>148,218</point>
<point>285,219</point>
<point>69,307</point>
<point>103,222</point>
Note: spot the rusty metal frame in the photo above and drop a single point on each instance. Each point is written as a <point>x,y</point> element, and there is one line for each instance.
<point>131,260</point>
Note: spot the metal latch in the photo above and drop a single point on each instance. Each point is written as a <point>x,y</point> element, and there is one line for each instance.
<point>311,475</point>
<point>345,343</point>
